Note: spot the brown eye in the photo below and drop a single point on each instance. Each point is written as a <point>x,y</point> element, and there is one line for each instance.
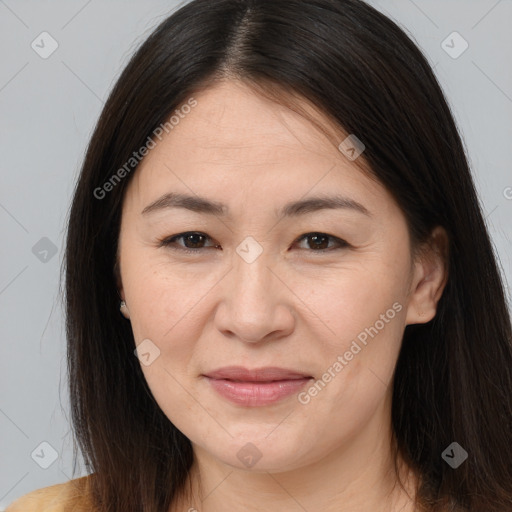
<point>318,242</point>
<point>192,242</point>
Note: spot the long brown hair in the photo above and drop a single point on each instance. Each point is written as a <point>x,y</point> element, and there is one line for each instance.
<point>453,379</point>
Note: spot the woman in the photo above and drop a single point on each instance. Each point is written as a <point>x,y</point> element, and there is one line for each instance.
<point>281,294</point>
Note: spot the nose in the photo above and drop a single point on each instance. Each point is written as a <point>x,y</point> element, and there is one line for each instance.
<point>255,304</point>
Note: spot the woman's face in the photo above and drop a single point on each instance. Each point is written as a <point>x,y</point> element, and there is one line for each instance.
<point>258,293</point>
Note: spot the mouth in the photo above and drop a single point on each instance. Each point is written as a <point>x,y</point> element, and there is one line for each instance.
<point>258,387</point>
<point>267,374</point>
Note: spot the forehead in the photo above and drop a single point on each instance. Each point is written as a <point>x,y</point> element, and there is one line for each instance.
<point>230,118</point>
<point>236,142</point>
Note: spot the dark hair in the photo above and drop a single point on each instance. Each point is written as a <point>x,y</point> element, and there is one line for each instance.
<point>453,379</point>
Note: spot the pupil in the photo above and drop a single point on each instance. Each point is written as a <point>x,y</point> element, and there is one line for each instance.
<point>191,238</point>
<point>316,238</point>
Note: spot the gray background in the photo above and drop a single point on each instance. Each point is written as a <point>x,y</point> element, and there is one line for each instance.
<point>48,110</point>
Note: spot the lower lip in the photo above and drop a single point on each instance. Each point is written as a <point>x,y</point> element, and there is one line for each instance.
<point>257,393</point>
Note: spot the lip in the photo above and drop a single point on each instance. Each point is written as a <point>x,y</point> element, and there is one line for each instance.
<point>265,374</point>
<point>257,387</point>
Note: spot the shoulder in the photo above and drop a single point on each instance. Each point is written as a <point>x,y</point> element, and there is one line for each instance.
<point>71,496</point>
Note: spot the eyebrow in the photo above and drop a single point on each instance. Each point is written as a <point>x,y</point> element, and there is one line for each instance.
<point>203,205</point>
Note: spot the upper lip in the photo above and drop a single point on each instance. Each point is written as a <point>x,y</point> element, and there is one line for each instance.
<point>266,374</point>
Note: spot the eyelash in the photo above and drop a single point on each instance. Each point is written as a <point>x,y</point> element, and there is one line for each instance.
<point>170,241</point>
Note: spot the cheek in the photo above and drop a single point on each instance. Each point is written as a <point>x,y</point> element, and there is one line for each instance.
<point>167,306</point>
<point>362,315</point>
<point>348,301</point>
<point>161,297</point>
<point>355,366</point>
<point>166,309</point>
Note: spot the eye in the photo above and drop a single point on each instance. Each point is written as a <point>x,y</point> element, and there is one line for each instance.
<point>320,241</point>
<point>193,242</point>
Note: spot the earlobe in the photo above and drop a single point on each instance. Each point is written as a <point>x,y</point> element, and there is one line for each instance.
<point>124,309</point>
<point>120,292</point>
<point>429,279</point>
<point>122,304</point>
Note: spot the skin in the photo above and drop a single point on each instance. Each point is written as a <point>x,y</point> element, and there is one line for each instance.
<point>292,307</point>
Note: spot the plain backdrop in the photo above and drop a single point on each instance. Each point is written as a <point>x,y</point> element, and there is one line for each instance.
<point>48,108</point>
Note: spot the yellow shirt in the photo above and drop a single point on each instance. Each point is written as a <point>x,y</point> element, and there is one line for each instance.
<point>70,496</point>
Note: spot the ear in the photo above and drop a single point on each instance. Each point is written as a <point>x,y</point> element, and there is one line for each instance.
<point>429,278</point>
